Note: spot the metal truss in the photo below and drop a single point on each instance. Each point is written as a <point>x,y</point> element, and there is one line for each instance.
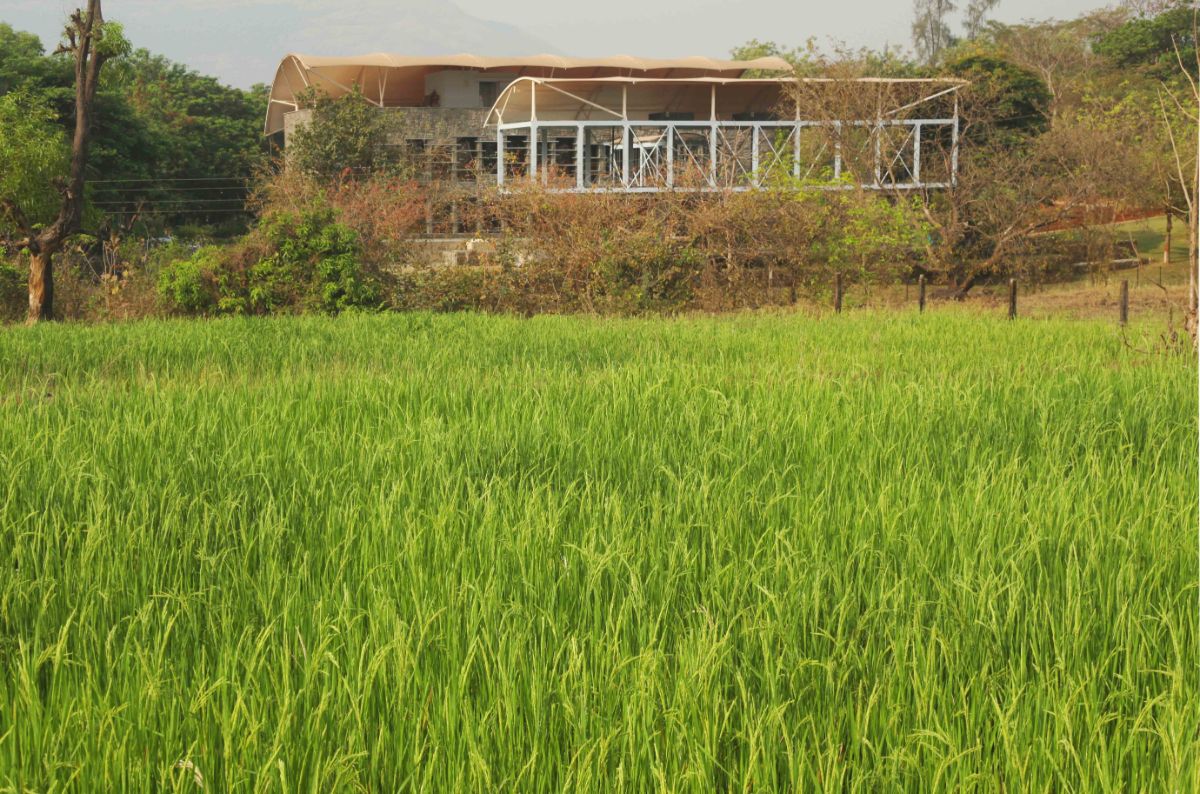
<point>650,156</point>
<point>617,153</point>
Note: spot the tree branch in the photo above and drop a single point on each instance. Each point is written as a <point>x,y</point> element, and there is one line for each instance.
<point>14,212</point>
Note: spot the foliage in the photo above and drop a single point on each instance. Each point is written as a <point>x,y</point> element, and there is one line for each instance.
<point>191,285</point>
<point>1157,45</point>
<point>931,28</point>
<point>342,135</point>
<point>159,129</point>
<point>976,21</point>
<point>1060,53</point>
<point>24,66</point>
<point>35,156</point>
<point>194,129</point>
<point>805,60</point>
<point>313,252</point>
<point>294,261</point>
<point>14,298</point>
<point>1018,101</point>
<point>758,553</point>
<point>110,42</point>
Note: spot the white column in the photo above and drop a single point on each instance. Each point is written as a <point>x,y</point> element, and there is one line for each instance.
<point>954,147</point>
<point>878,154</point>
<point>837,150</point>
<point>916,174</point>
<point>580,157</point>
<point>796,150</point>
<point>626,152</point>
<point>712,155</point>
<point>756,131</point>
<point>499,157</point>
<point>712,137</point>
<point>671,155</point>
<point>532,155</point>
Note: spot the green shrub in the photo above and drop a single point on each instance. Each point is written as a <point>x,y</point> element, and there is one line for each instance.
<point>190,286</point>
<point>305,261</point>
<point>649,273</point>
<point>13,292</point>
<point>315,264</point>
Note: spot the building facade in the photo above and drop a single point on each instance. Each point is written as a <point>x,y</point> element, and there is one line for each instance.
<point>637,125</point>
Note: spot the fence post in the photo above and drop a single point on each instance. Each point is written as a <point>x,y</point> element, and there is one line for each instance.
<point>1125,302</point>
<point>1166,257</point>
<point>837,293</point>
<point>1012,299</point>
<point>921,292</point>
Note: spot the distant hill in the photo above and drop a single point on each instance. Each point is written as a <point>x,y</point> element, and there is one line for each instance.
<point>242,41</point>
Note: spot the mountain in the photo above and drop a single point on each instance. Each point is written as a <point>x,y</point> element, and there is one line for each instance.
<point>242,41</point>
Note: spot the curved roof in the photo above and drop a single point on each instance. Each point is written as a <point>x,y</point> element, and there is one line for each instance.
<point>399,80</point>
<point>634,98</point>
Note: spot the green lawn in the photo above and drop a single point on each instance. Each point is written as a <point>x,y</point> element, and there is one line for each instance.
<point>756,553</point>
<point>1150,235</point>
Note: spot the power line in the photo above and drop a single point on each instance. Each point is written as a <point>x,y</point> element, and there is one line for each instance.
<point>171,189</point>
<point>180,202</point>
<point>243,179</point>
<point>180,212</point>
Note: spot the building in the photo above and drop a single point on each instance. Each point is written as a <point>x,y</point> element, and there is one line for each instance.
<point>637,125</point>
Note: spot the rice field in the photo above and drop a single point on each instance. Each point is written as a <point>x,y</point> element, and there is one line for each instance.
<point>874,552</point>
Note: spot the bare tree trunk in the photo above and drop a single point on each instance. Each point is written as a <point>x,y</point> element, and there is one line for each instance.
<point>41,286</point>
<point>1193,249</point>
<point>83,36</point>
<point>1194,236</point>
<point>964,285</point>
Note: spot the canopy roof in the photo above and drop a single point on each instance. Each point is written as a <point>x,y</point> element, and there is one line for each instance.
<point>704,98</point>
<point>399,80</point>
<point>619,98</point>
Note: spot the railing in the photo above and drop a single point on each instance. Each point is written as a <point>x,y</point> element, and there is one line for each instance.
<point>650,156</point>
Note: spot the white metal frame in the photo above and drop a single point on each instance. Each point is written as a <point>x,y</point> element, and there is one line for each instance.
<point>664,136</point>
<point>666,133</point>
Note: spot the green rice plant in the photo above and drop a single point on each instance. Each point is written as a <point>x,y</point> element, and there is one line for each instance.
<point>871,552</point>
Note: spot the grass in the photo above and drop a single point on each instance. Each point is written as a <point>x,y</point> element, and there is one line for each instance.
<point>1150,236</point>
<point>758,553</point>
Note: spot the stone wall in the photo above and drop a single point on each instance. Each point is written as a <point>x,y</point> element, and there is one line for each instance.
<point>428,124</point>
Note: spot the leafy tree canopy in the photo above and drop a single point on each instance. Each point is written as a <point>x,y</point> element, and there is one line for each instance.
<point>343,134</point>
<point>1016,100</point>
<point>1149,43</point>
<point>35,154</point>
<point>155,121</point>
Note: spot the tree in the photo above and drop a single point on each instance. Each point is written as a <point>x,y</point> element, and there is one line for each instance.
<point>977,16</point>
<point>931,28</point>
<point>175,144</point>
<point>1148,8</point>
<point>1058,52</point>
<point>35,154</point>
<point>90,42</point>
<point>1181,120</point>
<point>23,63</point>
<point>1019,177</point>
<point>194,128</point>
<point>806,60</point>
<point>341,135</point>
<point>1017,100</point>
<point>1150,44</point>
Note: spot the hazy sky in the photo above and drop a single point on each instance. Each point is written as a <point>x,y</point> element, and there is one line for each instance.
<point>242,40</point>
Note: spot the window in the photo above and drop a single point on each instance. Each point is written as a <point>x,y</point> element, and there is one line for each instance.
<point>489,90</point>
<point>466,159</point>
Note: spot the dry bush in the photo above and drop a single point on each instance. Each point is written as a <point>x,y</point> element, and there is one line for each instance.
<point>613,252</point>
<point>596,251</point>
